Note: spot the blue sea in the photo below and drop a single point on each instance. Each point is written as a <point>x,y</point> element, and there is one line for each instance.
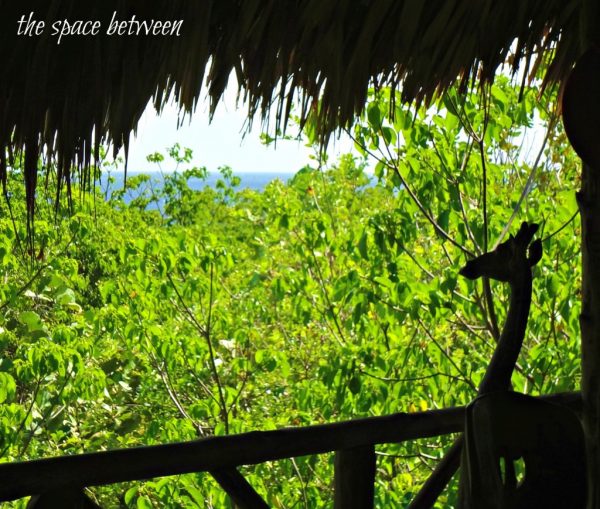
<point>250,180</point>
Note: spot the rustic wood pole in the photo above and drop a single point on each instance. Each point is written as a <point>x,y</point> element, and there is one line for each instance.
<point>589,206</point>
<point>355,478</point>
<point>581,117</point>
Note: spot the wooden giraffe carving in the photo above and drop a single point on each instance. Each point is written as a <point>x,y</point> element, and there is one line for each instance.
<point>510,263</point>
<point>503,427</point>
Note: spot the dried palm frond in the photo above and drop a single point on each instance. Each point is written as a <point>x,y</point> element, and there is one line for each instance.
<point>66,100</point>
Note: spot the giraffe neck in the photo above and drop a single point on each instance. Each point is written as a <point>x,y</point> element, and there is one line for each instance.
<point>499,372</point>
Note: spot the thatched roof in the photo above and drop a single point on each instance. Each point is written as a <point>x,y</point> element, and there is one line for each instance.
<point>87,90</point>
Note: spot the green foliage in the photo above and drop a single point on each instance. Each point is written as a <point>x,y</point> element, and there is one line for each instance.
<point>168,313</point>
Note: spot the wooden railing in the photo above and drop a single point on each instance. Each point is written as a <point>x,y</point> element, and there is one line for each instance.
<point>64,478</point>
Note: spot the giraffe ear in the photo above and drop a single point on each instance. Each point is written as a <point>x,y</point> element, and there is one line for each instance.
<point>526,233</point>
<point>535,252</point>
<point>523,229</point>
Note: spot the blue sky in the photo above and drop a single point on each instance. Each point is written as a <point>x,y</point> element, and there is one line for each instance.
<point>220,142</point>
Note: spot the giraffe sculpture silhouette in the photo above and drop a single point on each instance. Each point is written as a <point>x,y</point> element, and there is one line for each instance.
<point>503,427</point>
<point>510,263</point>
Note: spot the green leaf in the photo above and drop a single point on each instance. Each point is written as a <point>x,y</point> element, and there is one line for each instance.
<point>443,219</point>
<point>8,387</point>
<point>196,495</point>
<point>65,296</point>
<point>284,221</point>
<point>143,502</point>
<point>130,494</point>
<point>374,116</point>
<point>354,384</point>
<point>32,320</point>
<point>362,246</point>
<point>389,135</point>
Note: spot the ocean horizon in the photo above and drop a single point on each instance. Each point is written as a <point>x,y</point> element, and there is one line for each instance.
<point>248,180</point>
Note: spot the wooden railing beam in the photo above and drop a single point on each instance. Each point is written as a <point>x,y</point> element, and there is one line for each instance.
<point>18,480</point>
<point>26,478</point>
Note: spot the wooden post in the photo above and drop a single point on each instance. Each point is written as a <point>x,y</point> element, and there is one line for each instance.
<point>589,206</point>
<point>355,478</point>
<point>581,113</point>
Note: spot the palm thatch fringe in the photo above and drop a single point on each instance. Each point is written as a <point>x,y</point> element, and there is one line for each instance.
<point>65,100</point>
